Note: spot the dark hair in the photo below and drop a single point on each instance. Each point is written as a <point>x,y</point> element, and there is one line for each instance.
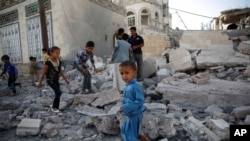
<point>133,28</point>
<point>90,44</point>
<point>44,49</point>
<point>128,64</point>
<point>125,36</point>
<point>31,58</point>
<point>52,49</point>
<point>5,57</point>
<point>120,31</point>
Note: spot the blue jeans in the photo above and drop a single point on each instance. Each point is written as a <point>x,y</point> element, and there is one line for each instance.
<point>12,85</point>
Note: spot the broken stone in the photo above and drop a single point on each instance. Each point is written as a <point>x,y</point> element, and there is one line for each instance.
<point>220,127</point>
<point>62,105</point>
<point>107,97</point>
<point>244,47</point>
<point>156,108</point>
<point>220,115</point>
<point>90,111</point>
<point>213,108</point>
<point>221,75</point>
<point>9,105</point>
<point>149,67</point>
<point>200,78</point>
<point>161,62</point>
<point>161,74</point>
<point>50,130</point>
<point>68,98</point>
<point>153,94</point>
<point>171,80</point>
<point>238,54</point>
<point>55,119</point>
<point>173,107</point>
<point>148,82</point>
<point>247,72</point>
<point>28,127</point>
<point>180,75</point>
<point>180,60</point>
<point>44,102</point>
<point>241,112</point>
<point>247,120</point>
<point>84,99</point>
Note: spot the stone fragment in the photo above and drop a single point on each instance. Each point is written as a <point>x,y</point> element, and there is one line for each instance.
<point>241,112</point>
<point>62,105</point>
<point>238,54</point>
<point>213,108</point>
<point>90,111</point>
<point>28,127</point>
<point>68,98</point>
<point>173,107</point>
<point>220,115</point>
<point>149,67</point>
<point>161,74</point>
<point>247,120</point>
<point>50,130</point>
<point>153,94</point>
<point>247,72</point>
<point>84,99</point>
<point>55,119</point>
<point>148,82</point>
<point>200,78</point>
<point>244,47</point>
<point>219,127</point>
<point>9,105</point>
<point>156,108</point>
<point>180,60</point>
<point>44,102</point>
<point>107,97</point>
<point>165,139</point>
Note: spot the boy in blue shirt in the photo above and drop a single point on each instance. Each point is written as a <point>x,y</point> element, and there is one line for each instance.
<point>132,103</point>
<point>12,72</point>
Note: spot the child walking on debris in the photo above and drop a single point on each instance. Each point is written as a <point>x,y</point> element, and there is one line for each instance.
<point>80,63</point>
<point>52,70</point>
<point>33,70</point>
<point>132,103</point>
<point>12,72</point>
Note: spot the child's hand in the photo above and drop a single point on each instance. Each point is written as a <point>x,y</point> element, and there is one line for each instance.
<point>67,82</point>
<point>85,70</point>
<point>39,85</point>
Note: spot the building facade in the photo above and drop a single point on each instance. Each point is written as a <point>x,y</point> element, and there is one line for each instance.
<point>70,25</point>
<point>149,16</point>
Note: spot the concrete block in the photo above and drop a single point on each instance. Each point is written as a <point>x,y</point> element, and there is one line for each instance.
<point>241,112</point>
<point>28,127</point>
<point>244,47</point>
<point>161,74</point>
<point>156,108</point>
<point>219,127</point>
<point>149,67</point>
<point>213,108</point>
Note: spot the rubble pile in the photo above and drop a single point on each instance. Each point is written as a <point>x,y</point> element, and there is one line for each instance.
<point>179,105</point>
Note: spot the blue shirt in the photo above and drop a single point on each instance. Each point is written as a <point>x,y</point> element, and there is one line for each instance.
<point>82,57</point>
<point>133,99</point>
<point>10,69</point>
<point>134,41</point>
<point>122,50</point>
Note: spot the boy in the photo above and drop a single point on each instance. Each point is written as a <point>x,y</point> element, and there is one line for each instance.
<point>132,103</point>
<point>80,63</point>
<point>33,70</point>
<point>12,72</point>
<point>45,55</point>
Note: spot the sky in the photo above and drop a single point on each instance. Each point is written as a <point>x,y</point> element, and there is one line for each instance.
<point>210,8</point>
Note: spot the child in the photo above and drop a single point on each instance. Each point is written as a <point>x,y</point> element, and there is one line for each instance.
<point>132,103</point>
<point>33,70</point>
<point>52,70</point>
<point>45,55</point>
<point>80,63</point>
<point>12,72</point>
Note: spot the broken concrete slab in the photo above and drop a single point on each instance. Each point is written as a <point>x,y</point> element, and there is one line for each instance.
<point>219,92</point>
<point>68,98</point>
<point>156,108</point>
<point>83,99</point>
<point>50,130</point>
<point>107,97</point>
<point>180,60</point>
<point>220,115</point>
<point>244,47</point>
<point>238,54</point>
<point>247,72</point>
<point>44,101</point>
<point>213,108</point>
<point>90,111</point>
<point>161,74</point>
<point>9,105</point>
<point>241,112</point>
<point>28,127</point>
<point>219,127</point>
<point>149,67</point>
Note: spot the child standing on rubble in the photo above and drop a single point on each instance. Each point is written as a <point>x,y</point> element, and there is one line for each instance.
<point>132,103</point>
<point>52,70</point>
<point>33,70</point>
<point>80,63</point>
<point>12,72</point>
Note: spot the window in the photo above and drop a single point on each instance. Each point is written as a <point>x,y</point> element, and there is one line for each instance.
<point>144,17</point>
<point>131,18</point>
<point>156,20</point>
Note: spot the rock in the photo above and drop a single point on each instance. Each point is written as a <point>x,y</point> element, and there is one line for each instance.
<point>149,67</point>
<point>148,82</point>
<point>154,126</point>
<point>107,124</point>
<point>44,102</point>
<point>165,139</point>
<point>153,94</point>
<point>220,115</point>
<point>171,80</point>
<point>156,108</point>
<point>68,98</point>
<point>238,54</point>
<point>200,78</point>
<point>161,74</point>
<point>216,68</point>
<point>74,87</point>
<point>55,119</point>
<point>28,127</point>
<point>99,66</point>
<point>221,75</point>
<point>244,47</point>
<point>84,99</point>
<point>161,62</point>
<point>180,60</point>
<point>180,75</point>
<point>90,111</point>
<point>106,86</point>
<point>62,105</point>
<point>247,72</point>
<point>9,105</point>
<point>213,108</point>
<point>195,128</point>
<point>219,127</point>
<point>173,107</point>
<point>247,120</point>
<point>241,112</point>
<point>50,130</point>
<point>107,97</point>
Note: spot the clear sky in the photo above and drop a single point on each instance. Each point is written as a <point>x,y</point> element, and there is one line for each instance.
<point>211,8</point>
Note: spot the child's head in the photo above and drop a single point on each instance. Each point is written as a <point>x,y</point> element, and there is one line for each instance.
<point>31,58</point>
<point>54,52</point>
<point>128,71</point>
<point>5,58</point>
<point>120,31</point>
<point>125,36</point>
<point>90,47</point>
<point>44,50</point>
